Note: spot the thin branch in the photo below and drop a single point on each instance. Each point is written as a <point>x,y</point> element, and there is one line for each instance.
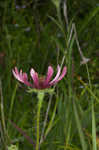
<point>2,114</point>
<point>2,136</point>
<point>70,36</point>
<point>22,132</point>
<point>45,121</point>
<point>65,13</point>
<point>84,59</point>
<point>2,108</point>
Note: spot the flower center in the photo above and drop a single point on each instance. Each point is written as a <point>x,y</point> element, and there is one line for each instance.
<point>41,79</point>
<point>41,82</point>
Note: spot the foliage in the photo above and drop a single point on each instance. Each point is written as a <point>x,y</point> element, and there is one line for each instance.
<point>36,33</point>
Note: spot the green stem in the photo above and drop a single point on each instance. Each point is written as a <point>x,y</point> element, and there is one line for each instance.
<point>40,100</point>
<point>12,105</point>
<point>93,115</point>
<point>2,115</point>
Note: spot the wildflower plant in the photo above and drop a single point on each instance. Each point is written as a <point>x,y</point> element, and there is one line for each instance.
<point>39,82</point>
<point>56,31</point>
<point>40,86</point>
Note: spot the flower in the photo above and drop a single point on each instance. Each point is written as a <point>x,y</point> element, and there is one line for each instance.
<point>40,82</point>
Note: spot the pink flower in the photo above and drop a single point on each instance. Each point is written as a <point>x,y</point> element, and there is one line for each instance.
<point>40,82</point>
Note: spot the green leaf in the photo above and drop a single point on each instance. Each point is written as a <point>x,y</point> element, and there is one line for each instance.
<point>93,129</point>
<point>89,18</point>
<point>79,127</point>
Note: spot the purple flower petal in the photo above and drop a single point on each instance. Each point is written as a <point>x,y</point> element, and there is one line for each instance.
<point>63,74</point>
<point>60,78</point>
<point>34,76</point>
<point>16,70</point>
<point>49,75</point>
<point>25,76</point>
<point>25,79</point>
<point>22,77</point>
<point>17,74</point>
<point>57,75</point>
<point>42,82</point>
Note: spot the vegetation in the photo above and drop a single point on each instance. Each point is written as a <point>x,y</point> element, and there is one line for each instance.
<point>39,33</point>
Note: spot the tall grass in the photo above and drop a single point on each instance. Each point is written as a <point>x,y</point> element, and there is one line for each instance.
<point>64,119</point>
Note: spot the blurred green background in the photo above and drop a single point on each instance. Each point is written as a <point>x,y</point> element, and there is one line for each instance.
<point>30,38</point>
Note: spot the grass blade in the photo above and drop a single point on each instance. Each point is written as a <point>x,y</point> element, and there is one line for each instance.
<point>93,129</point>
<point>80,131</point>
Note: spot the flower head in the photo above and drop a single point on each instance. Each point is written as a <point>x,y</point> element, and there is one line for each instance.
<point>40,82</point>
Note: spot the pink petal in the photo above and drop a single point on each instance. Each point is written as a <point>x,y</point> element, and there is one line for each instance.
<point>25,76</point>
<point>62,74</point>
<point>16,74</point>
<point>25,79</point>
<point>28,84</point>
<point>16,70</point>
<point>21,73</point>
<point>60,78</point>
<point>57,75</point>
<point>34,76</point>
<point>49,75</point>
<point>21,77</point>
